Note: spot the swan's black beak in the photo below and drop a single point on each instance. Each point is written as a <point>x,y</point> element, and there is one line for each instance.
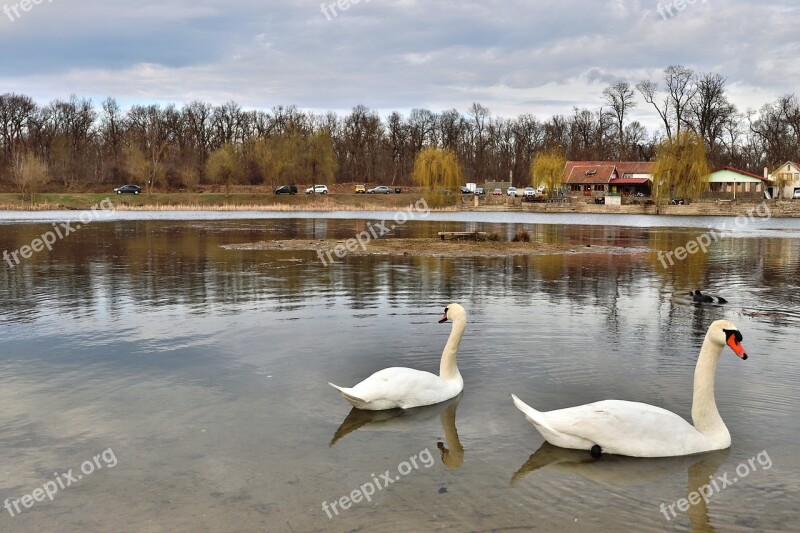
<point>444,317</point>
<point>735,343</point>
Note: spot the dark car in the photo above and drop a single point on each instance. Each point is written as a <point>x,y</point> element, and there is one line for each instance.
<point>286,189</point>
<point>128,189</point>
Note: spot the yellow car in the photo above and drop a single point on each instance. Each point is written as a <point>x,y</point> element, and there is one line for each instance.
<point>360,189</point>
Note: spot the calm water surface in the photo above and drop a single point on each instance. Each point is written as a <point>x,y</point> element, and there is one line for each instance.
<point>205,370</point>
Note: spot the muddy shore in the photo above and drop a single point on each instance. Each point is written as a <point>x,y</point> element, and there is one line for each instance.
<point>431,248</point>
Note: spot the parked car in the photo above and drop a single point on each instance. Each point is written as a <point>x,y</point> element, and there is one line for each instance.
<point>465,190</point>
<point>128,189</point>
<point>796,194</point>
<point>479,191</point>
<point>511,191</point>
<point>317,189</point>
<point>529,191</point>
<point>361,189</point>
<point>286,189</point>
<point>497,192</point>
<point>381,189</point>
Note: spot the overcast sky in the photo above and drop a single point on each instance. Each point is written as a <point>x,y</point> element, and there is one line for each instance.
<point>513,56</point>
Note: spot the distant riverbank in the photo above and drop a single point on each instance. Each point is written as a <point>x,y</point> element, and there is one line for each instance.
<point>355,203</point>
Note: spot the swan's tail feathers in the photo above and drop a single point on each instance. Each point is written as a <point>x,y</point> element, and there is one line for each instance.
<point>355,400</point>
<point>534,417</point>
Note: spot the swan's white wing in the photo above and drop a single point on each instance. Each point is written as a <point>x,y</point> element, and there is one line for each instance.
<point>629,428</point>
<point>404,388</point>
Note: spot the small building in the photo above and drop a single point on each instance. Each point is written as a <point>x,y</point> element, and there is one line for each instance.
<point>785,181</point>
<point>598,178</point>
<point>729,181</point>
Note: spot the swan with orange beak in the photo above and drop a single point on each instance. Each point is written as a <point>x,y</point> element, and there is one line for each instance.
<point>641,430</point>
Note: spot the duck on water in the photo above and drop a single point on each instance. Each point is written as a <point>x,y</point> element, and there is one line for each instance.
<point>699,297</point>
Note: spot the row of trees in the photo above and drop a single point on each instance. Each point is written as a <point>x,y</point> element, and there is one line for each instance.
<point>681,170</point>
<point>83,146</point>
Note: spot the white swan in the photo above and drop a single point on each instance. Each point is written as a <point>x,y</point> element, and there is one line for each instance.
<point>406,388</point>
<point>641,430</point>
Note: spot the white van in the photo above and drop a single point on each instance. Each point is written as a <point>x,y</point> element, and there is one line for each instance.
<point>796,194</point>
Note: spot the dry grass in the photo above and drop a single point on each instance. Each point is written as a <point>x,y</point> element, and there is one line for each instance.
<point>31,207</point>
<point>323,207</point>
<point>522,236</point>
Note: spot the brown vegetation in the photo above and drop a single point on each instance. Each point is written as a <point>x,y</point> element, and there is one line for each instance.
<point>436,248</point>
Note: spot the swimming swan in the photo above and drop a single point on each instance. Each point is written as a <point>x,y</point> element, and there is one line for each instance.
<point>641,430</point>
<point>406,388</point>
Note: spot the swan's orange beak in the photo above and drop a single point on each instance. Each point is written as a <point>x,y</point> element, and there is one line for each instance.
<point>737,347</point>
<point>444,317</point>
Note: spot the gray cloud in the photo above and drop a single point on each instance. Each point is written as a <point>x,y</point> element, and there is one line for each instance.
<point>513,56</point>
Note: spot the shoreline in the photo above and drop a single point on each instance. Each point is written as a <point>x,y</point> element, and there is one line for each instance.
<point>237,202</point>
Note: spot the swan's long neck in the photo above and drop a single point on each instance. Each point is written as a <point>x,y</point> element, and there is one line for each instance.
<point>704,407</point>
<point>448,368</point>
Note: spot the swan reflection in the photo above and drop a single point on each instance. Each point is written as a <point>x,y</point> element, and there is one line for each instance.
<point>398,420</point>
<point>617,471</point>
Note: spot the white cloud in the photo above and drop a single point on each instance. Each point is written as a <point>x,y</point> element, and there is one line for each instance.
<point>513,56</point>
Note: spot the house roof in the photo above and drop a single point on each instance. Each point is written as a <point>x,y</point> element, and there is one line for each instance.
<point>591,172</point>
<point>635,167</point>
<point>742,172</point>
<point>630,181</point>
<point>597,172</point>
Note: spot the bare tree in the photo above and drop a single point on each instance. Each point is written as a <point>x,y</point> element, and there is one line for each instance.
<point>17,111</point>
<point>681,88</point>
<point>709,112</point>
<point>650,92</point>
<point>149,139</point>
<point>620,98</point>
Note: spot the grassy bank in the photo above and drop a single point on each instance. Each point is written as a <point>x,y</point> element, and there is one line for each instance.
<point>210,201</point>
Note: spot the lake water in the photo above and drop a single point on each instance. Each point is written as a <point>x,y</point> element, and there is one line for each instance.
<point>204,370</point>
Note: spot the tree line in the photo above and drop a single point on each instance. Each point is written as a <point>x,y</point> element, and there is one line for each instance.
<point>78,145</point>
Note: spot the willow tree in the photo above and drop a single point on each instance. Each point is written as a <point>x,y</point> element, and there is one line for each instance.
<point>319,158</point>
<point>141,167</point>
<point>274,159</point>
<point>30,174</point>
<point>224,166</point>
<point>547,169</point>
<point>288,159</point>
<point>438,173</point>
<point>681,168</point>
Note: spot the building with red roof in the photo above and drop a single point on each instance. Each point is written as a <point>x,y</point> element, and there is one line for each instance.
<point>598,178</point>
